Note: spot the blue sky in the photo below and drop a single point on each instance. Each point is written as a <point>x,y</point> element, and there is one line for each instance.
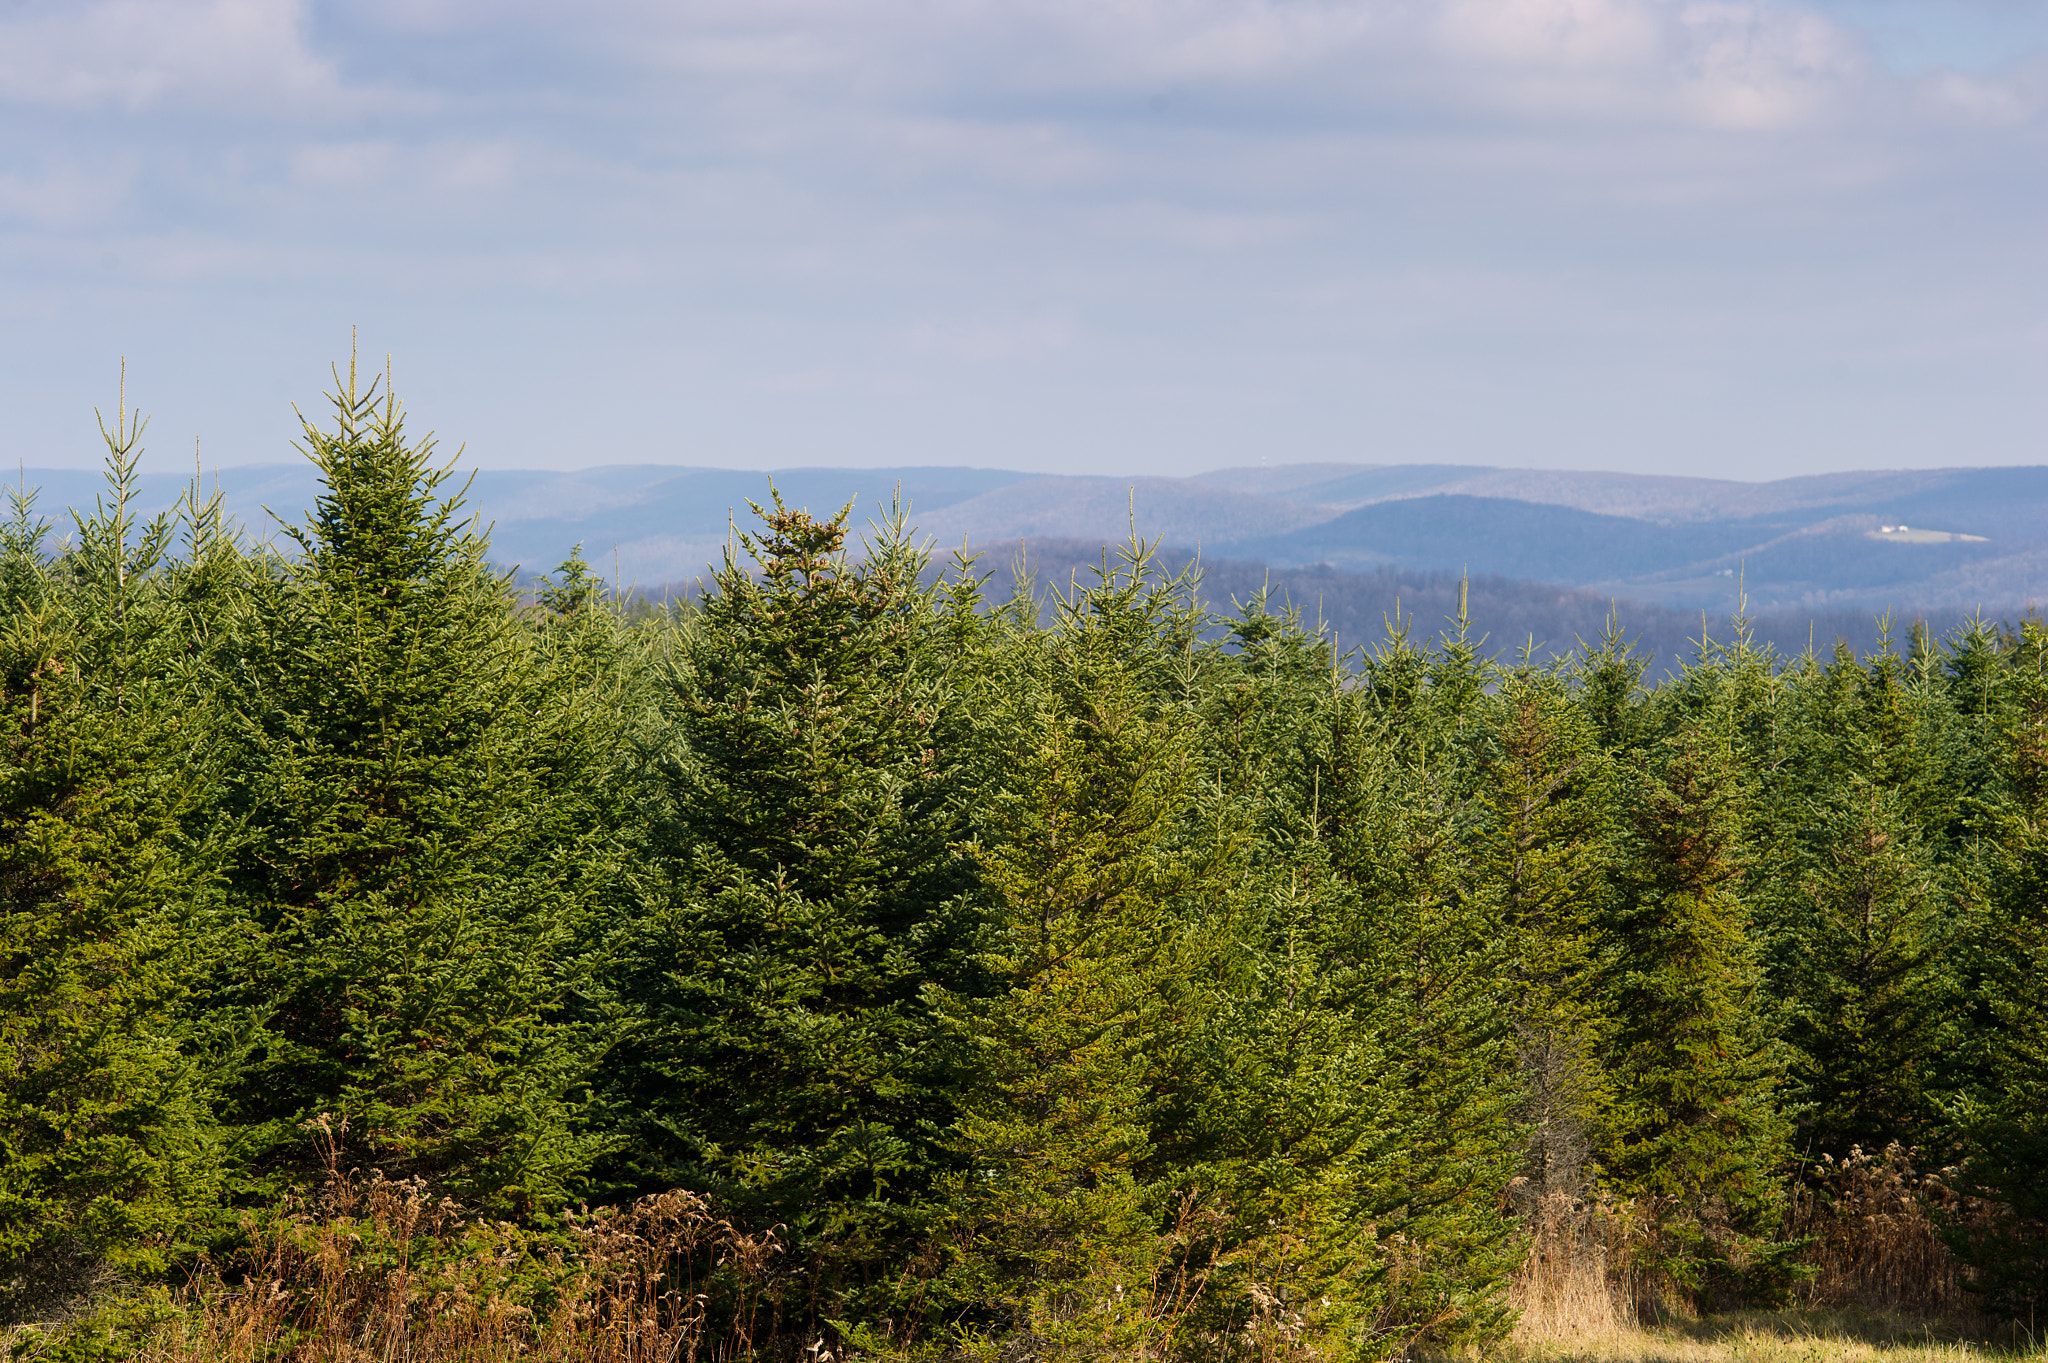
<point>1119,236</point>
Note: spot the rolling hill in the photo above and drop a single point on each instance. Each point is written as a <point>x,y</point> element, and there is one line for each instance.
<point>1978,537</point>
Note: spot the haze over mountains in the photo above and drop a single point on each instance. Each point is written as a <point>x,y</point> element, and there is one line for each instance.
<point>1971,537</point>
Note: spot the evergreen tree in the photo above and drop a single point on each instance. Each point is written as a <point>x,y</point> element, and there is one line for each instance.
<point>1609,685</point>
<point>782,1050</point>
<point>1694,1129</point>
<point>1420,960</point>
<point>1859,925</point>
<point>1124,983</point>
<point>1546,856</point>
<point>1085,1226</point>
<point>421,850</point>
<point>2004,1116</point>
<point>108,1159</point>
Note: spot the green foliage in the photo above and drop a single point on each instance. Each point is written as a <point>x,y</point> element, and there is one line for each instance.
<point>805,804</point>
<point>1073,1229</point>
<point>108,1163</point>
<point>1862,927</point>
<point>1433,986</point>
<point>1547,855</point>
<point>421,840</point>
<point>1085,976</point>
<point>1694,1129</point>
<point>2003,1116</point>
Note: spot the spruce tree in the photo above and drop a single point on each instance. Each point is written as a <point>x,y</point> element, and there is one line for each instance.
<point>1694,1130</point>
<point>1858,924</point>
<point>108,1157</point>
<point>781,1048</point>
<point>1290,1098</point>
<point>1608,680</point>
<point>1082,1215</point>
<point>1546,854</point>
<point>1863,985</point>
<point>419,851</point>
<point>2003,1114</point>
<point>1420,959</point>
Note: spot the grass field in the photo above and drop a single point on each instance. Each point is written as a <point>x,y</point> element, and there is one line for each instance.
<point>1792,1336</point>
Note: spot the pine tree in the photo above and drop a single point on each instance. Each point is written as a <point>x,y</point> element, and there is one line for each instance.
<point>1859,930</point>
<point>1084,1221</point>
<point>1609,682</point>
<point>420,848</point>
<point>1546,855</point>
<point>782,1049</point>
<point>108,1157</point>
<point>1694,1130</point>
<point>1417,957</point>
<point>2003,1117</point>
<point>1862,981</point>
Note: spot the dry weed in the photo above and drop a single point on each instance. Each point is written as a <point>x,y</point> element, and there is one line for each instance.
<point>1580,1279</point>
<point>372,1270</point>
<point>1875,1244</point>
<point>1789,1336</point>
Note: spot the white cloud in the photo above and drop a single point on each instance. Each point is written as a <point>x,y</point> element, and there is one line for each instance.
<point>136,55</point>
<point>1078,225</point>
<point>1727,65</point>
<point>1753,67</point>
<point>1975,99</point>
<point>62,197</point>
<point>1587,36</point>
<point>459,165</point>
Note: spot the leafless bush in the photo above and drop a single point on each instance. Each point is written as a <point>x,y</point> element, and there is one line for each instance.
<point>666,1278</point>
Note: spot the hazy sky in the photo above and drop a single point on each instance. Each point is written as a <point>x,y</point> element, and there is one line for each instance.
<point>1117,236</point>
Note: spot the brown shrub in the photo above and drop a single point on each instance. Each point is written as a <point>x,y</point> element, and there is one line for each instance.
<point>372,1270</point>
<point>1872,1220</point>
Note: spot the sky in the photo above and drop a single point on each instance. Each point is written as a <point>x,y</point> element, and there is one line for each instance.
<point>1742,240</point>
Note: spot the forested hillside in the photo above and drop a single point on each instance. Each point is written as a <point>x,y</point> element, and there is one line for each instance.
<point>856,963</point>
<point>1504,617</point>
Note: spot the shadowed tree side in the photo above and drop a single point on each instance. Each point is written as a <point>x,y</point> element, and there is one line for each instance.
<point>808,894</point>
<point>1694,1129</point>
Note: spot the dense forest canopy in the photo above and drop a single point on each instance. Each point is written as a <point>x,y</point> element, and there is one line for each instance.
<point>1085,970</point>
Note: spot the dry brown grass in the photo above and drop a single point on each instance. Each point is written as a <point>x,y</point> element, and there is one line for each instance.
<point>395,1278</point>
<point>372,1270</point>
<point>1882,1283</point>
<point>1798,1335</point>
<point>1579,1280</point>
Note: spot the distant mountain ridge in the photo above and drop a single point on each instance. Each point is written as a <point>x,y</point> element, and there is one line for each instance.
<point>1809,543</point>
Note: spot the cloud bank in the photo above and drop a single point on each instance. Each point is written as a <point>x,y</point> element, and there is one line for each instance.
<point>1116,236</point>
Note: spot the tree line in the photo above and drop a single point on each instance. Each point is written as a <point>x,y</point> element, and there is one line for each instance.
<point>1357,605</point>
<point>1081,969</point>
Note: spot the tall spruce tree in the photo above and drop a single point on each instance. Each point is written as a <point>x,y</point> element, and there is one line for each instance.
<point>781,1048</point>
<point>1081,1214</point>
<point>1546,855</point>
<point>2003,1113</point>
<point>1695,1129</point>
<point>1289,1097</point>
<point>1424,961</point>
<point>1858,925</point>
<point>418,854</point>
<point>108,1158</point>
